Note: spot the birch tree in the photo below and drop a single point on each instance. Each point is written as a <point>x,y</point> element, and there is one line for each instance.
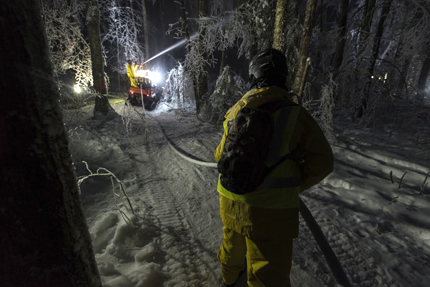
<point>45,240</point>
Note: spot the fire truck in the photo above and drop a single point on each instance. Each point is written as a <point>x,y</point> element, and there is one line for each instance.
<point>148,94</point>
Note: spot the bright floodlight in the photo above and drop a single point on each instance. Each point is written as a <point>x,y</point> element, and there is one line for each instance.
<point>142,73</point>
<point>77,89</point>
<point>155,77</point>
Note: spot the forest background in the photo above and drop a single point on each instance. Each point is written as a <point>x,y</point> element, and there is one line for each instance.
<point>367,58</point>
<point>369,64</point>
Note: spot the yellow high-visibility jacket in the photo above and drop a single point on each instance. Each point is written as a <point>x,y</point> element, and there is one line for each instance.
<point>130,73</point>
<point>295,131</point>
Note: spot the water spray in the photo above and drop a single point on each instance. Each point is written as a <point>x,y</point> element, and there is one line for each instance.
<point>170,48</point>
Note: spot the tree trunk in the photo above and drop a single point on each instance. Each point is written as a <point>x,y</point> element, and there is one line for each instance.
<point>130,5</point>
<point>279,33</point>
<point>253,50</point>
<point>304,45</point>
<point>117,54</point>
<point>422,79</point>
<point>341,40</point>
<point>93,29</point>
<point>222,61</point>
<point>145,29</point>
<point>360,79</point>
<point>162,40</point>
<point>187,35</point>
<point>375,52</point>
<point>185,23</point>
<point>202,82</point>
<point>366,24</point>
<point>44,238</point>
<point>101,105</point>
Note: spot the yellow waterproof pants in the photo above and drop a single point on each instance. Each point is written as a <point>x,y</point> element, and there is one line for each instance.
<point>264,236</point>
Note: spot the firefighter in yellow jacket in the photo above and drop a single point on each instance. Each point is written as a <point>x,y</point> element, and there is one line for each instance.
<point>259,226</point>
<point>130,73</point>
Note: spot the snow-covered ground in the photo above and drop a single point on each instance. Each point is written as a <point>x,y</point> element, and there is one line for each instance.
<point>379,229</point>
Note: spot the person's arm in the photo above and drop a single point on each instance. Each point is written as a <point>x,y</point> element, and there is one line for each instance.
<point>317,156</point>
<point>220,147</point>
<point>128,71</point>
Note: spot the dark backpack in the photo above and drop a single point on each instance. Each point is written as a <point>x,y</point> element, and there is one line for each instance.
<point>242,163</point>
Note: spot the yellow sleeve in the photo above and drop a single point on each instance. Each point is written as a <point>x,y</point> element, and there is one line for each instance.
<point>129,71</point>
<point>316,152</point>
<point>219,149</point>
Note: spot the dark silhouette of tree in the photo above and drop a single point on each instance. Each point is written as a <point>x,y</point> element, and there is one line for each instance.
<point>341,40</point>
<point>44,238</point>
<point>304,45</point>
<point>145,29</point>
<point>374,56</point>
<point>93,30</point>
<point>422,79</point>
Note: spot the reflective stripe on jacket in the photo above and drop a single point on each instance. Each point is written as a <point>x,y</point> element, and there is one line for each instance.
<point>281,187</point>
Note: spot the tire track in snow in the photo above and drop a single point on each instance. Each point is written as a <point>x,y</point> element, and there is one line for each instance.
<point>184,252</point>
<point>359,262</point>
<point>165,248</point>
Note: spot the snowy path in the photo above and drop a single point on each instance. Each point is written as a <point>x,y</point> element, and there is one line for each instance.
<point>379,232</point>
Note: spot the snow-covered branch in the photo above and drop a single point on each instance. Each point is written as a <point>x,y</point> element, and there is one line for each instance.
<point>68,48</point>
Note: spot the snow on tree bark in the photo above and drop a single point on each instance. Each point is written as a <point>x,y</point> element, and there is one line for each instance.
<point>45,240</point>
<point>280,25</point>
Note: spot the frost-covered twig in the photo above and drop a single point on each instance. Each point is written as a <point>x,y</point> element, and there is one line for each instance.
<point>127,120</point>
<point>228,90</point>
<point>175,84</point>
<point>68,48</point>
<point>122,30</point>
<point>401,179</point>
<point>104,172</point>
